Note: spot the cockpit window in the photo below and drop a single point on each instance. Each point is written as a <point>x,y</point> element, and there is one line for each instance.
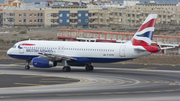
<point>14,46</point>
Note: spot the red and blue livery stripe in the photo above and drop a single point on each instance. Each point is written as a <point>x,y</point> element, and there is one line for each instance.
<point>148,24</point>
<point>144,35</point>
<point>24,44</point>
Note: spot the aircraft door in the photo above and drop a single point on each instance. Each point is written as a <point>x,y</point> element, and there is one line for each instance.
<point>122,51</point>
<point>59,49</point>
<point>21,50</point>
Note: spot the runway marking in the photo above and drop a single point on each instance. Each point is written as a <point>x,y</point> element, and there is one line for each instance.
<point>118,81</point>
<point>121,92</point>
<point>145,64</point>
<point>168,90</point>
<point>35,76</point>
<point>172,65</point>
<point>2,97</point>
<point>18,64</point>
<point>129,81</point>
<point>155,91</point>
<point>148,68</point>
<point>57,79</point>
<point>29,84</point>
<point>107,93</point>
<point>152,82</point>
<point>102,81</point>
<point>140,92</point>
<point>157,82</point>
<point>167,82</point>
<point>148,82</point>
<point>172,83</point>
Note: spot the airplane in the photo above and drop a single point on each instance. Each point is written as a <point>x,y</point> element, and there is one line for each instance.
<point>46,54</point>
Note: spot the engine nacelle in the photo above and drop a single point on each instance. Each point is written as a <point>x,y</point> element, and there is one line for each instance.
<point>43,62</point>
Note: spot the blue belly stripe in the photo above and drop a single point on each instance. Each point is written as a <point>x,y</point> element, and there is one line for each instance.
<point>91,60</point>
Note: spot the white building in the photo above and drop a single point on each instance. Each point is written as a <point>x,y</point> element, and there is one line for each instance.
<point>28,6</point>
<point>130,2</point>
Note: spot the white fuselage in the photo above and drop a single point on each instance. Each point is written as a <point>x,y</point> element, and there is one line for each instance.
<point>95,51</point>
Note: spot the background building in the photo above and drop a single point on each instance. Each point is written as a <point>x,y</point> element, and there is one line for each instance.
<point>10,1</point>
<point>135,15</point>
<point>1,17</point>
<point>70,15</point>
<point>78,14</point>
<point>15,3</point>
<point>25,18</point>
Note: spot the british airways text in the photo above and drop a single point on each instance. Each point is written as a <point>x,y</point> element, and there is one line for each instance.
<point>40,50</point>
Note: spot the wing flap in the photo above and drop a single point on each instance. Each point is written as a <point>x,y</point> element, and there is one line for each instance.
<point>56,56</point>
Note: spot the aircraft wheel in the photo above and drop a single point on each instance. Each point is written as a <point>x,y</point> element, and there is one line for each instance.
<point>66,69</point>
<point>89,68</point>
<point>27,67</point>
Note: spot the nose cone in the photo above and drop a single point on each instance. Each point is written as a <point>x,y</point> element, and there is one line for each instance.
<point>9,52</point>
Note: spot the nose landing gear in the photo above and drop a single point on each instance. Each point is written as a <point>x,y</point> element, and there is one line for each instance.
<point>27,67</point>
<point>27,64</point>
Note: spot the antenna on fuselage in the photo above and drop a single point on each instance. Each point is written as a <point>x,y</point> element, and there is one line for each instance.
<point>29,39</point>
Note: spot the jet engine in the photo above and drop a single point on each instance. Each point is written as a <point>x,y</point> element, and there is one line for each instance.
<point>43,62</point>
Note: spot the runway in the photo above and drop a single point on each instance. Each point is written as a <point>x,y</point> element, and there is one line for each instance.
<point>108,82</point>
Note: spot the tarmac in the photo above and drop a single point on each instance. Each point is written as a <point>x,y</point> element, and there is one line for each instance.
<point>115,82</point>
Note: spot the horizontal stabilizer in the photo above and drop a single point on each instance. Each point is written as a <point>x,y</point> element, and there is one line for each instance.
<point>167,48</point>
<point>140,48</point>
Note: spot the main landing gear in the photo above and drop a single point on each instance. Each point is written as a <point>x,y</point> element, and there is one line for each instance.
<point>27,64</point>
<point>66,68</point>
<point>89,68</point>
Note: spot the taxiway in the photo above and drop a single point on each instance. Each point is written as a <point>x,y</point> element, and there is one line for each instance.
<point>108,82</point>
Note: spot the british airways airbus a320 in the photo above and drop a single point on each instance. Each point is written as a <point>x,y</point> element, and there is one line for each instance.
<point>46,54</point>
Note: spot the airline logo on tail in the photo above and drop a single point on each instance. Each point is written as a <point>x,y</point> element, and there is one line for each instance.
<point>144,35</point>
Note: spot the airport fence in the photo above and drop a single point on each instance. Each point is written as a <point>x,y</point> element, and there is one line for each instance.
<point>73,33</point>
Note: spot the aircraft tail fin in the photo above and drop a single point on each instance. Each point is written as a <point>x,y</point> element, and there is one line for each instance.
<point>144,34</point>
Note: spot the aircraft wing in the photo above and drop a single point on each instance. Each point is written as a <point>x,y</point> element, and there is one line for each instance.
<point>56,57</point>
